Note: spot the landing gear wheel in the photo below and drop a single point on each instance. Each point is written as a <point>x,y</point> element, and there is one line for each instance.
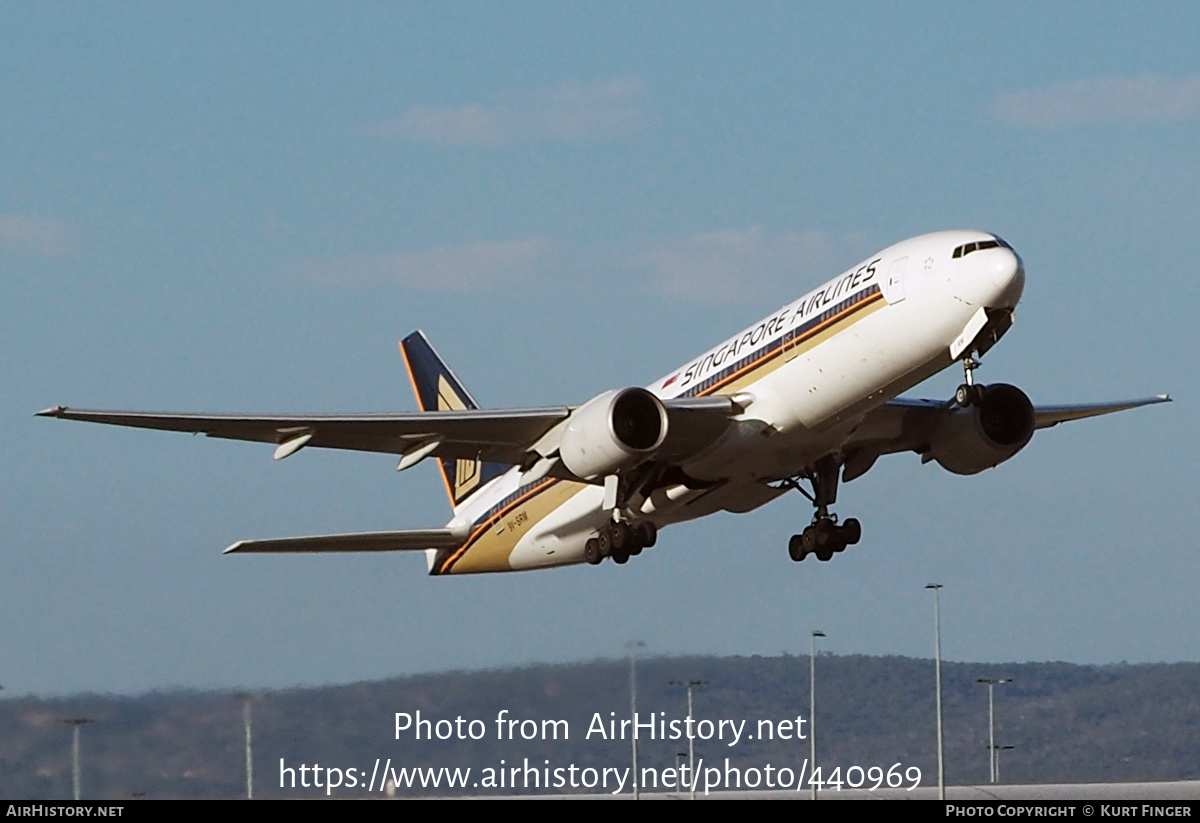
<point>971,395</point>
<point>830,537</point>
<point>808,541</point>
<point>825,554</point>
<point>620,541</point>
<point>605,541</point>
<point>591,551</point>
<point>621,537</point>
<point>646,533</point>
<point>796,548</point>
<point>851,531</point>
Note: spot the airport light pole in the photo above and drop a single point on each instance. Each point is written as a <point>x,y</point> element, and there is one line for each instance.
<point>812,710</point>
<point>996,753</point>
<point>75,723</point>
<point>633,646</point>
<point>991,684</point>
<point>246,725</point>
<point>691,752</point>
<point>937,652</point>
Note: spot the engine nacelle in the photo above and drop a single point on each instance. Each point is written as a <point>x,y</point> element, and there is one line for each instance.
<point>969,440</point>
<point>613,431</point>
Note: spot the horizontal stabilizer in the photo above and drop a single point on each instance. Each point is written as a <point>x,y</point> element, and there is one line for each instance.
<point>403,541</point>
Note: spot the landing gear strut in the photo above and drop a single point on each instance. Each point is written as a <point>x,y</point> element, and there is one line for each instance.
<point>620,541</point>
<point>824,537</point>
<point>969,394</point>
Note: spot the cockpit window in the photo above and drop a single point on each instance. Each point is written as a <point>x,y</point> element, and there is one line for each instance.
<point>979,245</point>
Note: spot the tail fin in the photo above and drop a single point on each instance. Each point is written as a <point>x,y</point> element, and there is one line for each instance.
<point>438,389</point>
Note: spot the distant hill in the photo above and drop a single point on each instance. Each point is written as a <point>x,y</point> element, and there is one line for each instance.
<point>1067,723</point>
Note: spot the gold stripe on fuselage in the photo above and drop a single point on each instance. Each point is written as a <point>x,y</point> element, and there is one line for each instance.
<point>493,539</point>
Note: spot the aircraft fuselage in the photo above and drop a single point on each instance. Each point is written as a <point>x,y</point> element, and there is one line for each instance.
<point>804,377</point>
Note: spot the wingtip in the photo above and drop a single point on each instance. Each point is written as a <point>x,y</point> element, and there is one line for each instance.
<point>234,548</point>
<point>56,411</point>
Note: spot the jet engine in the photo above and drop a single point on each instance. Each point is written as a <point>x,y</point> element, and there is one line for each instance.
<point>613,431</point>
<point>977,437</point>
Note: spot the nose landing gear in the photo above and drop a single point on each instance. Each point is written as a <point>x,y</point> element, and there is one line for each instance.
<point>969,393</point>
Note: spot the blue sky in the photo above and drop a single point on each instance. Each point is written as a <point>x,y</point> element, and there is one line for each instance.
<point>214,207</point>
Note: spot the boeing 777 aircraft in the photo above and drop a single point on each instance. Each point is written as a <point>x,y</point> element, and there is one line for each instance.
<point>798,400</point>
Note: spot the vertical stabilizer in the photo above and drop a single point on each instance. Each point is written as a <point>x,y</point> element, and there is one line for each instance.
<point>438,389</point>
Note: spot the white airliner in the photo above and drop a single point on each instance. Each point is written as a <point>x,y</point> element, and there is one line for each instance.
<point>801,397</point>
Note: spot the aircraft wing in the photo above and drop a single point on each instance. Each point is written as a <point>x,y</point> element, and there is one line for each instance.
<point>1048,416</point>
<point>905,424</point>
<point>502,436</point>
<point>493,435</point>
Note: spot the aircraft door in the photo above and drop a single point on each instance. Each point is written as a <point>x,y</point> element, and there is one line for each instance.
<point>789,344</point>
<point>893,287</point>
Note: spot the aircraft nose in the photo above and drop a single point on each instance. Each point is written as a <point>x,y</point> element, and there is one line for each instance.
<point>1007,273</point>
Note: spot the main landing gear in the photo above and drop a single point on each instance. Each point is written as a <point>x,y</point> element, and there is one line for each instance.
<point>824,537</point>
<point>620,541</point>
